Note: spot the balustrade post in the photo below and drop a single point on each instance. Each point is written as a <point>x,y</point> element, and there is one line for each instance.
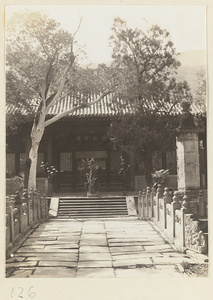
<point>159,195</point>
<point>11,206</point>
<point>27,201</point>
<point>139,205</point>
<point>143,203</point>
<point>46,207</point>
<point>18,205</point>
<point>148,200</point>
<point>30,206</point>
<point>153,193</point>
<point>35,205</point>
<point>39,206</point>
<point>186,203</point>
<point>175,205</point>
<point>166,199</point>
<point>184,210</point>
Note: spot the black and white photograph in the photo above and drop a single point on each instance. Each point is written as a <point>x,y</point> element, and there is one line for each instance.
<point>106,142</point>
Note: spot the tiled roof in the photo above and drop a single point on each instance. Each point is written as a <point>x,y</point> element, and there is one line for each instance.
<point>106,107</point>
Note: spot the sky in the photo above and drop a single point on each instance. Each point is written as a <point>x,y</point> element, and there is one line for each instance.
<point>186,24</point>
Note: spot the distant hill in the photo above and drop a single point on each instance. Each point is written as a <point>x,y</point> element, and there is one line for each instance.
<point>191,63</point>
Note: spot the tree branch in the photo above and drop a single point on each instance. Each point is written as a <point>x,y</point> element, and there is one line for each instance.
<point>63,80</point>
<point>65,113</point>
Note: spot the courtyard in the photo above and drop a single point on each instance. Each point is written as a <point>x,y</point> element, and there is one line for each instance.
<point>104,248</point>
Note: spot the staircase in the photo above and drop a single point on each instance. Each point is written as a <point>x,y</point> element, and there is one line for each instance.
<point>106,207</point>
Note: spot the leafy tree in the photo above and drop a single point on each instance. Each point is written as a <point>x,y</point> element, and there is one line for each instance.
<point>42,68</point>
<point>200,91</point>
<point>144,63</point>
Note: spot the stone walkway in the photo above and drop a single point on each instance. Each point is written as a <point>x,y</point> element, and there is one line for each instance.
<point>96,248</point>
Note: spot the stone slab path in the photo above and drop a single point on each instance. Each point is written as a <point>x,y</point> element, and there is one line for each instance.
<point>113,248</point>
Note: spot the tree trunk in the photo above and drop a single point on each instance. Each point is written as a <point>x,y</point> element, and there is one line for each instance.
<point>36,136</point>
<point>27,143</point>
<point>33,166</point>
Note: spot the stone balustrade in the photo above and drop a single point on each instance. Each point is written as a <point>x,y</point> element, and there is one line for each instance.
<point>23,211</point>
<point>179,215</point>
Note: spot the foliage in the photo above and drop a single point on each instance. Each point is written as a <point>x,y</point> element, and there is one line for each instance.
<point>42,69</point>
<point>88,171</point>
<point>160,177</point>
<point>49,170</point>
<point>200,92</point>
<point>144,63</point>
<point>123,171</point>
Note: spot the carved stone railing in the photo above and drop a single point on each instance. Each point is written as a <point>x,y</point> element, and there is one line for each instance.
<point>180,215</point>
<point>23,211</point>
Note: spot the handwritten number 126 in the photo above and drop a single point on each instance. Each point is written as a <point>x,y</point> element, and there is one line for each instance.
<point>31,294</point>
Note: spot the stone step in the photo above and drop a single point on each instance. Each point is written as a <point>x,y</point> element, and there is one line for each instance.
<point>93,201</point>
<point>91,204</point>
<point>92,215</point>
<point>92,207</point>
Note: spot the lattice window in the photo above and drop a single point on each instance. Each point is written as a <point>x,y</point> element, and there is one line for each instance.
<point>115,162</point>
<point>22,162</point>
<point>65,162</point>
<point>91,154</point>
<point>157,161</point>
<point>99,156</point>
<point>10,164</point>
<point>171,162</point>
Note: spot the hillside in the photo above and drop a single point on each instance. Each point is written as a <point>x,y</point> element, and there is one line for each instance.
<point>191,63</point>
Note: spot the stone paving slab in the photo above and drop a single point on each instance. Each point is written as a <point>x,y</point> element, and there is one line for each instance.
<point>34,239</point>
<point>28,242</point>
<point>136,256</point>
<point>125,244</point>
<point>132,262</point>
<point>157,247</point>
<point>128,239</point>
<point>128,249</point>
<point>93,235</point>
<point>148,272</point>
<point>21,273</point>
<point>21,264</point>
<point>62,246</point>
<point>94,256</point>
<point>95,273</point>
<point>51,263</point>
<point>95,264</point>
<point>15,259</point>
<point>93,231</point>
<point>54,272</point>
<point>93,243</point>
<point>95,248</point>
<point>53,258</point>
<point>35,246</point>
<point>172,260</point>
